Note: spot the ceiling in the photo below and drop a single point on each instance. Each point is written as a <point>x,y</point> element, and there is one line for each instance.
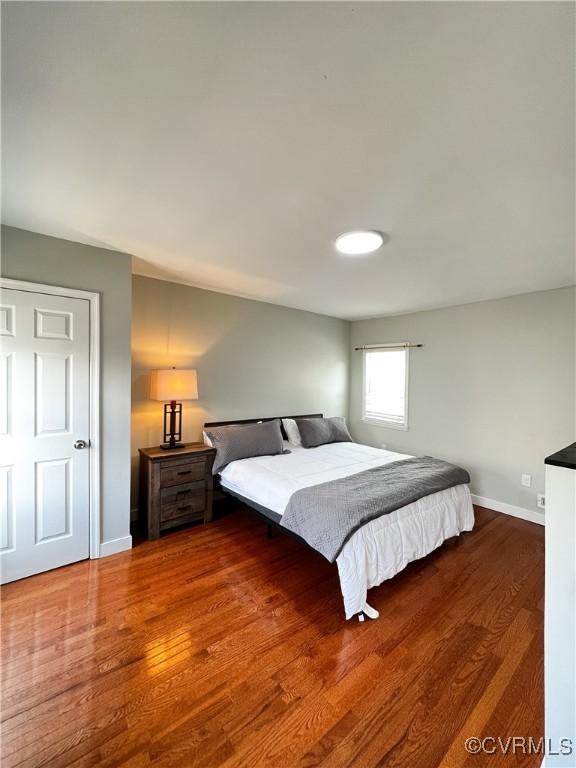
<point>226,145</point>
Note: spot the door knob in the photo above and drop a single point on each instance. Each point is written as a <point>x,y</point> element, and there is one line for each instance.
<point>79,444</point>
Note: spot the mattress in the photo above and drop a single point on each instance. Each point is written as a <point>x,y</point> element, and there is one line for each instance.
<point>270,481</point>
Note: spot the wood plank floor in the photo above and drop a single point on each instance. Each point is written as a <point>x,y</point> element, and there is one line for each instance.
<point>217,647</point>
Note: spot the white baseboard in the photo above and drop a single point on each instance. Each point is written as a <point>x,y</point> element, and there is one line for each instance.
<point>115,545</point>
<point>509,509</point>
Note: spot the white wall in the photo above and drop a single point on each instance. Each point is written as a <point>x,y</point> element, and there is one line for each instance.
<point>41,259</point>
<point>253,359</point>
<point>492,389</point>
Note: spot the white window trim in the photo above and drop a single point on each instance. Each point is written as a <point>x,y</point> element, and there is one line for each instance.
<point>95,448</point>
<point>384,422</point>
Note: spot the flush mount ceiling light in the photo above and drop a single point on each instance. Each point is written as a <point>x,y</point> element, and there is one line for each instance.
<point>359,242</point>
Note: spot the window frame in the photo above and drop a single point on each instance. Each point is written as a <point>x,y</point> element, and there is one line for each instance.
<point>404,426</point>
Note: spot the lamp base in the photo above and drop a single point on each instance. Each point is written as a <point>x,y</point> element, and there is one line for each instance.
<point>172,425</point>
<point>168,447</point>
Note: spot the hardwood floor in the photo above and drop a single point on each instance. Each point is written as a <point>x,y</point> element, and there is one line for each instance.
<point>217,647</point>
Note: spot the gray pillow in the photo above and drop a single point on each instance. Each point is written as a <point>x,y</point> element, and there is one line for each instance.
<point>242,441</point>
<point>315,432</point>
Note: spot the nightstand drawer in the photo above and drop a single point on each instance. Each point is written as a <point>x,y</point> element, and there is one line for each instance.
<point>193,504</point>
<point>179,494</point>
<point>182,473</point>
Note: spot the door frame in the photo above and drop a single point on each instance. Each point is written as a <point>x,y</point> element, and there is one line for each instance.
<point>94,391</point>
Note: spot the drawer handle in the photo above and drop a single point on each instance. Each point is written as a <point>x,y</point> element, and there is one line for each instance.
<point>181,509</point>
<point>187,472</point>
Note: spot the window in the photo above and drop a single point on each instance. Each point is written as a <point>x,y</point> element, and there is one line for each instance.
<point>386,386</point>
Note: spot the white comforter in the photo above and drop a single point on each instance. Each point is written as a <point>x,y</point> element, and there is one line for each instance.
<point>382,547</point>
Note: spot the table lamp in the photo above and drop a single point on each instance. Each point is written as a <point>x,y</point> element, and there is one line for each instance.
<point>170,386</point>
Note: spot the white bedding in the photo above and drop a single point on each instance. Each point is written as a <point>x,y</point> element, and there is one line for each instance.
<point>271,480</point>
<point>382,547</point>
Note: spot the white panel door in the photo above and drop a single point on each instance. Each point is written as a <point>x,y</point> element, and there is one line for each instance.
<point>44,414</point>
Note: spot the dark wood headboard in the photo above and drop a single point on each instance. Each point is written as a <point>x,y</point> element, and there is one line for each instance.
<point>232,422</point>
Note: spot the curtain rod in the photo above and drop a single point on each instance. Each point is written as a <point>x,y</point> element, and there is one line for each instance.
<point>387,346</point>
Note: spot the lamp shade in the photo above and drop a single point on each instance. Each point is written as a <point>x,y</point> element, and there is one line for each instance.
<point>174,384</point>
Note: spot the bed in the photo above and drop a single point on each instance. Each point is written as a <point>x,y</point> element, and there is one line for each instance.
<point>378,550</point>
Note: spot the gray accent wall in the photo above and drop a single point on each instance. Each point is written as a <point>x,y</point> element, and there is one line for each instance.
<point>40,259</point>
<point>493,388</point>
<point>253,359</point>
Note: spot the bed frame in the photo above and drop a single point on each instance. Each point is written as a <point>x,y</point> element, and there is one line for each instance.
<point>271,518</point>
<point>232,422</point>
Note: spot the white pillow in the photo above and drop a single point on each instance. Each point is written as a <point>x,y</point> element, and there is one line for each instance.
<point>292,431</point>
<point>206,439</point>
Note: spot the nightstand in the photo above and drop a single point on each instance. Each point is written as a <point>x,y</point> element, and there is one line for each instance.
<point>175,486</point>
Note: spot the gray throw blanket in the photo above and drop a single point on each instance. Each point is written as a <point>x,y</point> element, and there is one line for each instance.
<point>327,515</point>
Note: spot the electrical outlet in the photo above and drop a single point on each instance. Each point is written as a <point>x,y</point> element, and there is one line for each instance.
<point>526,480</point>
<point>540,501</point>
<point>384,445</point>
